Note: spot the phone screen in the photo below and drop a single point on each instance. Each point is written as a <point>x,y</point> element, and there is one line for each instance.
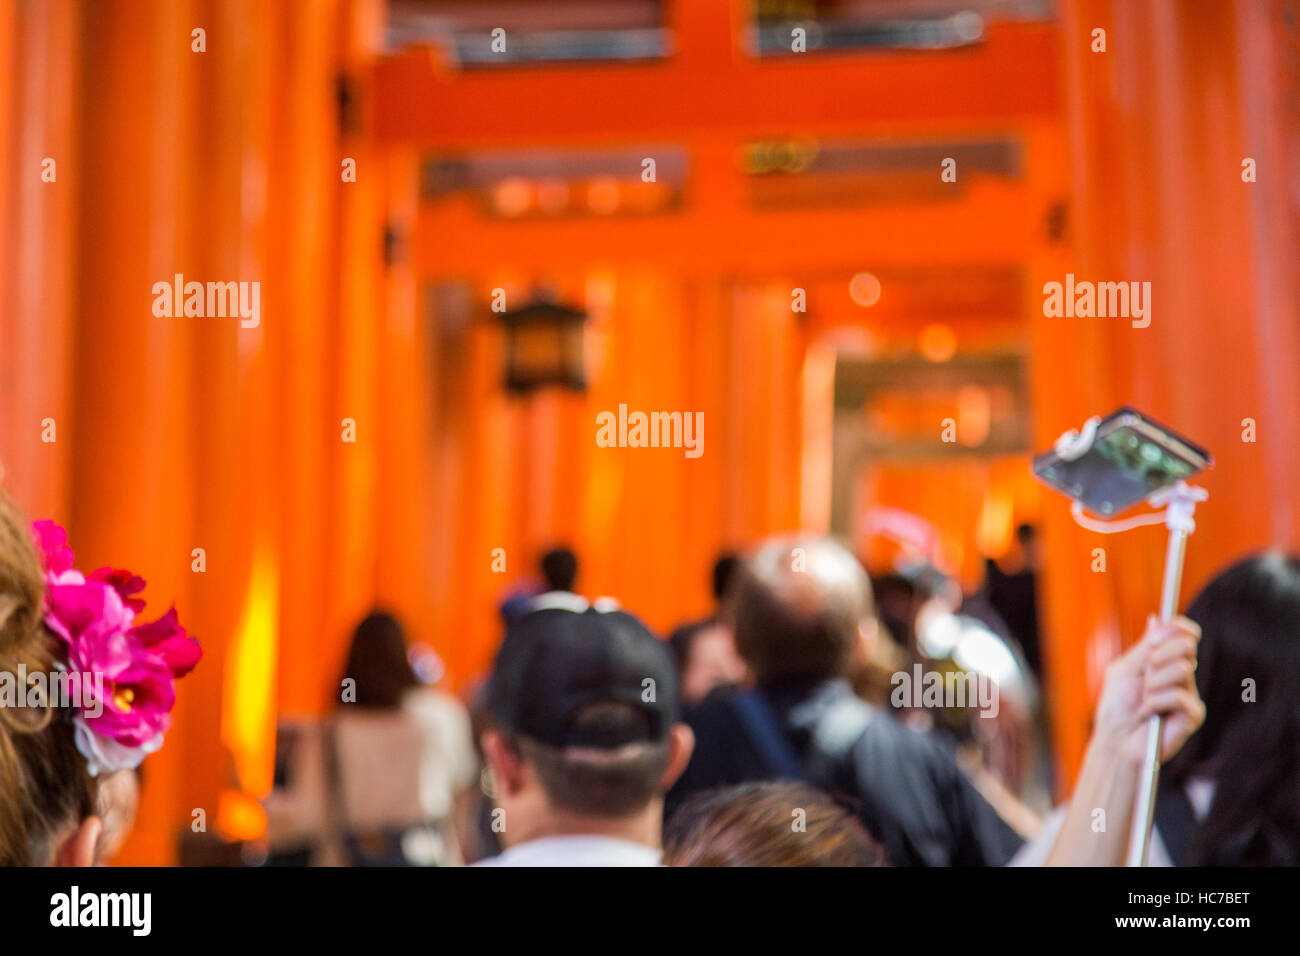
<point>1130,458</point>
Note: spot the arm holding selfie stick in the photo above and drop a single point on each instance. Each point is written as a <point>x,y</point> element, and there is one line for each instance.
<point>1152,678</point>
<point>1179,501</point>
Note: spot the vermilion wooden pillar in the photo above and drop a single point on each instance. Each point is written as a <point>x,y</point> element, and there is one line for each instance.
<point>230,407</point>
<point>1160,124</point>
<point>193,432</point>
<point>131,477</point>
<point>39,112</point>
<point>358,331</point>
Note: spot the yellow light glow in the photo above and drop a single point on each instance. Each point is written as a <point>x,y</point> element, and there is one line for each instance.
<point>248,693</point>
<point>239,816</point>
<point>993,533</point>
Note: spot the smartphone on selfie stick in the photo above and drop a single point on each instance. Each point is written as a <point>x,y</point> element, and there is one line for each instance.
<point>1107,467</point>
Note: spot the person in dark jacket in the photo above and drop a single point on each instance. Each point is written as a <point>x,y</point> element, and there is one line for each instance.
<point>800,609</point>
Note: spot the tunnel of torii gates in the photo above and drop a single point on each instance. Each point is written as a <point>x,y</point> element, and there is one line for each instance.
<point>976,257</point>
<point>1123,167</point>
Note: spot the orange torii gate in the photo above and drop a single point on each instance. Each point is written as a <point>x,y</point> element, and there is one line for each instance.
<point>713,101</point>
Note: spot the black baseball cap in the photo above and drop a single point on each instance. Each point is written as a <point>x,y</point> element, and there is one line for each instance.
<point>555,663</point>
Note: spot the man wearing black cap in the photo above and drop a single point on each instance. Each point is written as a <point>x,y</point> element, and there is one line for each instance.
<point>585,740</point>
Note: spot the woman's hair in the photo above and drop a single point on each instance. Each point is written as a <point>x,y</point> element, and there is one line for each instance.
<point>1248,674</point>
<point>778,823</point>
<point>44,784</point>
<point>378,663</point>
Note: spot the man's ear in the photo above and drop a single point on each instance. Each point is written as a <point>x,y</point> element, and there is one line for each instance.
<point>78,848</point>
<point>681,744</point>
<point>505,762</point>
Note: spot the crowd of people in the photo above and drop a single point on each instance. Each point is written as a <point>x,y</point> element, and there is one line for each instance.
<point>754,737</point>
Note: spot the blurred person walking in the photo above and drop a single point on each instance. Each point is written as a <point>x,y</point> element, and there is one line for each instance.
<point>387,782</point>
<point>1005,753</point>
<point>706,649</point>
<point>404,757</point>
<point>559,567</point>
<point>584,740</point>
<point>1013,595</point>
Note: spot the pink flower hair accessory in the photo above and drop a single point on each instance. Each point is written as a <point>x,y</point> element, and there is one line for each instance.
<point>122,674</point>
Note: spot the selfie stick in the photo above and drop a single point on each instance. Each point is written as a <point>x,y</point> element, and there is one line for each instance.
<point>1179,501</point>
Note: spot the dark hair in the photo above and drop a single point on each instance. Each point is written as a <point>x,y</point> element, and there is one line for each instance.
<point>559,569</point>
<point>759,824</point>
<point>593,782</point>
<point>1250,743</point>
<point>44,783</point>
<point>724,572</point>
<point>681,640</point>
<point>797,608</point>
<point>378,663</point>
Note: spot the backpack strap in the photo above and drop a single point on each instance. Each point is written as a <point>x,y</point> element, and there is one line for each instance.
<point>834,734</point>
<point>764,732</point>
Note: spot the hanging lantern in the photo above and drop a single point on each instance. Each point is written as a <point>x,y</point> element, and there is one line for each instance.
<point>544,346</point>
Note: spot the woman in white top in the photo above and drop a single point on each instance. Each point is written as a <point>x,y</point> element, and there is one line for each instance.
<point>403,757</point>
<point>387,781</point>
